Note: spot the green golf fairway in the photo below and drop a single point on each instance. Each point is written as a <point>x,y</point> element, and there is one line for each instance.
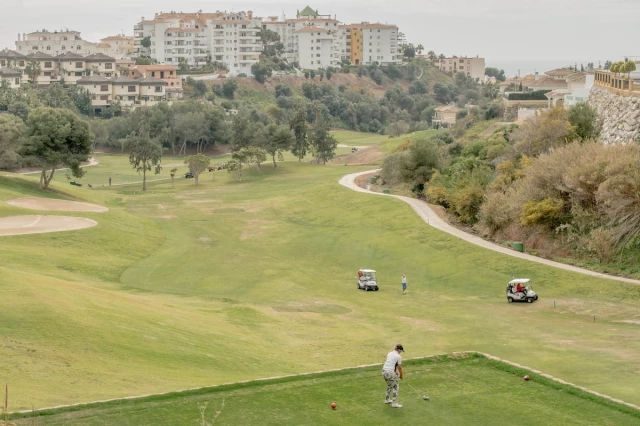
<point>184,287</point>
<point>471,391</point>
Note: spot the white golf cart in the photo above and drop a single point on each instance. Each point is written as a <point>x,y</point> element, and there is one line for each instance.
<point>519,290</point>
<point>367,280</point>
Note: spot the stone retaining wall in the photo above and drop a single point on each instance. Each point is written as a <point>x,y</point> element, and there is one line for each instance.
<point>620,114</point>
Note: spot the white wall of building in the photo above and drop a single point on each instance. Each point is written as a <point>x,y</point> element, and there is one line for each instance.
<point>54,43</point>
<point>579,91</point>
<point>471,67</point>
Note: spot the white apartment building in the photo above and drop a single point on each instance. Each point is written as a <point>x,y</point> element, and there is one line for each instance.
<point>230,38</point>
<point>54,43</point>
<point>316,48</point>
<point>129,93</point>
<point>118,46</point>
<point>60,42</point>
<point>363,43</point>
<point>379,44</point>
<point>471,67</point>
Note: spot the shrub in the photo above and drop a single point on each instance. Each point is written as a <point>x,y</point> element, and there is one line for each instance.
<point>392,168</point>
<point>585,120</point>
<point>600,243</point>
<point>546,212</point>
<point>494,212</point>
<point>538,95</point>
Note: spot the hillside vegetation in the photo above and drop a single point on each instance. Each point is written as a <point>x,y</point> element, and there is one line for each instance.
<point>548,183</point>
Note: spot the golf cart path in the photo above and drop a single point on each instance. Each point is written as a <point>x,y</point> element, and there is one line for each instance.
<point>341,145</point>
<point>431,218</point>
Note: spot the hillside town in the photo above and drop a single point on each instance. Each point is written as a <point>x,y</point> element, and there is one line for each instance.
<point>148,67</point>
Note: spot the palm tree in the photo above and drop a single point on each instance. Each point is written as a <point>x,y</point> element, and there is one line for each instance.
<point>33,70</point>
<point>432,55</point>
<point>419,48</point>
<point>441,56</point>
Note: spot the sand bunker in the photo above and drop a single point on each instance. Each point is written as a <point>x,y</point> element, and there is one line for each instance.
<point>37,224</point>
<point>37,203</point>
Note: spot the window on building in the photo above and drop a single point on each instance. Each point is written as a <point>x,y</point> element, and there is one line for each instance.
<point>104,88</point>
<point>78,47</point>
<point>48,47</point>
<point>17,81</point>
<point>47,64</point>
<point>131,89</point>
<point>3,62</point>
<point>104,97</point>
<point>158,89</point>
<point>64,47</point>
<point>78,64</point>
<point>22,63</point>
<point>108,66</point>
<point>78,74</point>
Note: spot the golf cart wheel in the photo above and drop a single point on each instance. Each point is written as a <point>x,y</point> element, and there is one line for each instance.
<point>530,300</point>
<point>376,289</point>
<point>510,299</point>
<point>535,298</point>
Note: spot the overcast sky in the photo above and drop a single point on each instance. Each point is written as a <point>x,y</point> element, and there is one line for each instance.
<point>500,30</point>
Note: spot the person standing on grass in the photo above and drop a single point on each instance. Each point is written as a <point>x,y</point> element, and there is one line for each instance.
<point>404,283</point>
<point>392,371</point>
<point>109,180</point>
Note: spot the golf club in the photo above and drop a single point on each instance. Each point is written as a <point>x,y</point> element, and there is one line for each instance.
<point>425,397</point>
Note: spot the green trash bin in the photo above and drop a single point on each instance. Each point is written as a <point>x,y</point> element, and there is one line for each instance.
<point>73,182</point>
<point>386,191</point>
<point>373,179</point>
<point>518,246</point>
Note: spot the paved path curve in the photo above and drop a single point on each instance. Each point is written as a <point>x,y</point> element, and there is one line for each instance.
<point>430,217</point>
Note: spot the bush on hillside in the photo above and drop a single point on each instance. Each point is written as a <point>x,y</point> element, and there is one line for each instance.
<point>538,95</point>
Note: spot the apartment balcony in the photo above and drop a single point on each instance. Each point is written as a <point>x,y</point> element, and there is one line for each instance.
<point>137,27</point>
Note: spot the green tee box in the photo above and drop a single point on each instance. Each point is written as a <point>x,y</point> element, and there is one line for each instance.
<point>518,246</point>
<point>373,179</point>
<point>464,389</point>
<point>386,191</point>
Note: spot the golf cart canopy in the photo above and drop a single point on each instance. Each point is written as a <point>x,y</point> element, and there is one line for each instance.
<point>367,271</point>
<point>519,281</point>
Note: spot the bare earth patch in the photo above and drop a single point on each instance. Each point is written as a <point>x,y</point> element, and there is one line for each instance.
<point>369,156</point>
<point>254,229</point>
<point>38,224</point>
<point>37,203</point>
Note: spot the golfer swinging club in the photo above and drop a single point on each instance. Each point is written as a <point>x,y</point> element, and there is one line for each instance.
<point>392,371</point>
